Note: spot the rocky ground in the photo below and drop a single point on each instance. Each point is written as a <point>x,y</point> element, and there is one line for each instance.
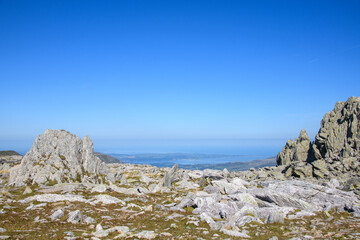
<point>62,190</point>
<point>194,205</point>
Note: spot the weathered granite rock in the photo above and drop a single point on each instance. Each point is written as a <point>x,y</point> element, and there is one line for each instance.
<point>335,151</point>
<point>146,235</point>
<point>100,232</point>
<point>106,199</point>
<point>75,217</point>
<point>213,225</point>
<point>27,190</point>
<point>275,217</point>
<point>295,151</point>
<point>339,135</point>
<point>55,198</point>
<point>58,156</point>
<point>57,214</point>
<point>169,177</point>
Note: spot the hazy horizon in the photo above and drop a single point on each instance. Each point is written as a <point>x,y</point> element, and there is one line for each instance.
<point>253,147</point>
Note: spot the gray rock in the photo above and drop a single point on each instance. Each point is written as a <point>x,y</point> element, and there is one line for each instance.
<point>146,235</point>
<point>55,198</point>
<point>227,187</point>
<point>123,180</point>
<point>184,184</point>
<point>212,189</point>
<point>99,227</point>
<point>145,179</point>
<point>214,174</point>
<point>36,206</point>
<point>213,225</point>
<point>339,135</point>
<point>278,198</point>
<point>114,176</point>
<point>275,217</point>
<point>27,190</point>
<point>170,176</point>
<point>100,188</point>
<point>89,220</point>
<point>295,151</point>
<point>57,214</point>
<point>58,156</point>
<point>100,232</point>
<point>75,217</point>
<point>234,233</point>
<point>107,199</point>
<point>335,151</point>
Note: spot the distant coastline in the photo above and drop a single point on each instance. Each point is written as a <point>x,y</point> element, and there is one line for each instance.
<point>198,161</point>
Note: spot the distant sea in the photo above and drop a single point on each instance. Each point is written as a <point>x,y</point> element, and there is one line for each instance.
<point>230,150</point>
<point>185,160</point>
<point>163,153</point>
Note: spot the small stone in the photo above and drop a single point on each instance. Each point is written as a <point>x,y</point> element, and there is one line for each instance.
<point>166,234</point>
<point>75,217</point>
<point>146,234</point>
<point>99,227</point>
<point>148,208</point>
<point>89,220</point>
<point>27,190</point>
<point>57,214</point>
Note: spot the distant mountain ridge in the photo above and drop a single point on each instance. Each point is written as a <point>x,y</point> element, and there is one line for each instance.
<point>234,166</point>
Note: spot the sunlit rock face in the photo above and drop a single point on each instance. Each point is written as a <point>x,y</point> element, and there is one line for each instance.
<point>295,151</point>
<point>58,156</point>
<point>339,135</point>
<point>335,151</point>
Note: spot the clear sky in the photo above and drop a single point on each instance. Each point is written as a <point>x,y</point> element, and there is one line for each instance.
<point>174,69</point>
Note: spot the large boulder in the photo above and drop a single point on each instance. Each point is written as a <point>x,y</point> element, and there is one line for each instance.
<point>58,156</point>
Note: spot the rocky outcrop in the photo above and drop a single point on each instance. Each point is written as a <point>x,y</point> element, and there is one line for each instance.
<point>339,135</point>
<point>335,151</point>
<point>295,151</point>
<point>58,156</point>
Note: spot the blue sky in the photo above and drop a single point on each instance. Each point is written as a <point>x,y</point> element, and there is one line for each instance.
<point>174,69</point>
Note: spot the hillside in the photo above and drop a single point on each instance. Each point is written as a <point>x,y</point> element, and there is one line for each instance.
<point>234,166</point>
<point>107,158</point>
<point>9,153</point>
